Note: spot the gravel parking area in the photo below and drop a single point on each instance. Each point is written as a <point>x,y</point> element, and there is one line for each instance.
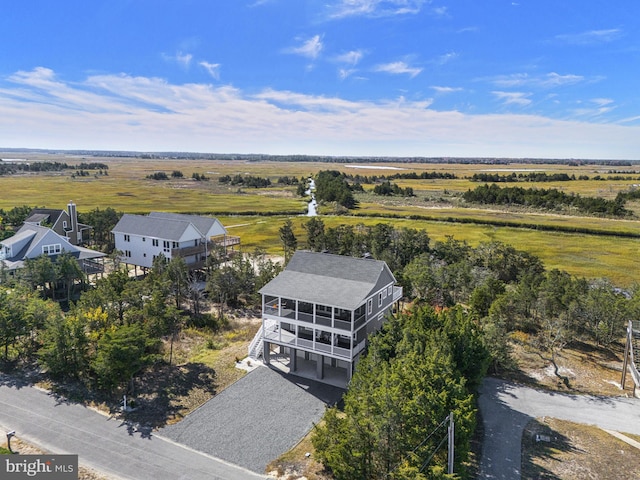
<point>255,420</point>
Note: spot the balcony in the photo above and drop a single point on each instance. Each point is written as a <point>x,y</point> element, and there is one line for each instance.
<point>200,249</point>
<point>397,293</point>
<point>305,341</point>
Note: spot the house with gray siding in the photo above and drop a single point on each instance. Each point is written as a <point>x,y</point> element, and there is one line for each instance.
<point>322,308</point>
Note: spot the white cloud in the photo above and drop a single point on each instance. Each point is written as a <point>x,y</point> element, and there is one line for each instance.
<point>182,59</point>
<point>444,90</point>
<point>513,98</point>
<point>398,68</point>
<point>375,8</point>
<point>121,112</point>
<point>446,58</point>
<point>590,37</point>
<point>212,68</point>
<point>602,102</point>
<point>351,58</point>
<point>310,48</point>
<point>549,80</point>
<point>440,11</point>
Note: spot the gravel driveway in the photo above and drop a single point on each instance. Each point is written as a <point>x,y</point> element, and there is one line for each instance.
<point>255,420</point>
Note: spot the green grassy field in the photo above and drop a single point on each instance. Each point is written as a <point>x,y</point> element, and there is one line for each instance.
<point>257,214</point>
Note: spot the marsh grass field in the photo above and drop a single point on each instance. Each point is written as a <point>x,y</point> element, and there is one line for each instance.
<point>609,249</point>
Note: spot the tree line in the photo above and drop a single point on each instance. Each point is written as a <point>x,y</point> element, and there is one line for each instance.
<point>524,177</point>
<point>549,199</point>
<point>245,181</point>
<point>391,189</point>
<point>11,168</point>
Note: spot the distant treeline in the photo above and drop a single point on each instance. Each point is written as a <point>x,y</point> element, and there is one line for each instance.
<point>542,177</point>
<point>368,180</point>
<point>330,159</point>
<point>521,177</point>
<point>549,199</point>
<point>248,181</point>
<point>391,189</point>
<point>9,168</point>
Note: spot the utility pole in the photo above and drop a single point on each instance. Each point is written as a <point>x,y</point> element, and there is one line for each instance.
<point>450,454</point>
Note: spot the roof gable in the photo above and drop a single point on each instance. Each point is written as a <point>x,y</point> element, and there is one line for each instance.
<point>162,228</point>
<point>29,239</point>
<point>207,226</point>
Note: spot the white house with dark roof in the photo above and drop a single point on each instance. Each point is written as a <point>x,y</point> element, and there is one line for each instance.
<point>321,308</point>
<point>141,238</point>
<point>32,240</point>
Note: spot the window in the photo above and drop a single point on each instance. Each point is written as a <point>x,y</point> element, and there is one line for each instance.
<point>127,253</point>
<point>175,245</point>
<point>64,224</point>
<point>127,238</point>
<point>155,242</point>
<point>390,290</point>
<point>51,249</point>
<point>384,293</point>
<point>380,299</point>
<point>144,239</point>
<point>370,306</point>
<point>165,246</point>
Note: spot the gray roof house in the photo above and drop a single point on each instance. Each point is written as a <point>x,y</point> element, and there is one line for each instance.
<point>63,222</point>
<point>32,240</point>
<point>141,238</point>
<point>318,312</point>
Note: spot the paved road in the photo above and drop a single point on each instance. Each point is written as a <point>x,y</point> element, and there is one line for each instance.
<point>106,445</point>
<point>257,419</point>
<point>506,409</point>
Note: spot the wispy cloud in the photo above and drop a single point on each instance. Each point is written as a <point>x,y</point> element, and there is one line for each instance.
<point>375,8</point>
<point>446,58</point>
<point>182,59</point>
<point>513,98</point>
<point>212,68</point>
<point>151,114</point>
<point>595,108</point>
<point>440,11</point>
<point>590,37</point>
<point>445,90</point>
<point>349,60</point>
<point>310,48</point>
<point>398,68</point>
<point>352,57</point>
<point>549,80</point>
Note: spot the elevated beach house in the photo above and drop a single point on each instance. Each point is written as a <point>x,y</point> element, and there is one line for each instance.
<point>141,238</point>
<point>320,310</point>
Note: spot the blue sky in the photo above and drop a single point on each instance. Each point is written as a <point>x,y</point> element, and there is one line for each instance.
<point>524,78</point>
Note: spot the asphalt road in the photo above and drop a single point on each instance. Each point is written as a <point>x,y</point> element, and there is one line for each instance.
<point>507,408</point>
<point>104,444</point>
